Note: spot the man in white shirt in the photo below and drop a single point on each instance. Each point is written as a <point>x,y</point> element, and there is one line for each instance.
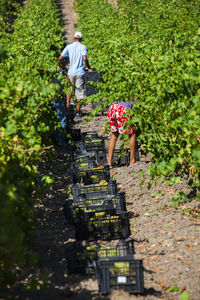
<point>77,54</point>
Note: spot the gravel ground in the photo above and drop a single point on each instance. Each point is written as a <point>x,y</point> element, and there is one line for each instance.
<point>165,238</point>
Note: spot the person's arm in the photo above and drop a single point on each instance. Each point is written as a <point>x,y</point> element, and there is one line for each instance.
<point>86,63</point>
<point>59,60</point>
<point>63,54</point>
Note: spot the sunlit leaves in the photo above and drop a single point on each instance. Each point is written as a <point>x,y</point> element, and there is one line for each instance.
<point>150,50</point>
<point>28,61</point>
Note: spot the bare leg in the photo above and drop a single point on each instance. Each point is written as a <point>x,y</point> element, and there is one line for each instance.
<point>132,143</point>
<point>69,96</point>
<point>79,92</point>
<point>111,147</point>
<point>68,100</point>
<point>78,106</point>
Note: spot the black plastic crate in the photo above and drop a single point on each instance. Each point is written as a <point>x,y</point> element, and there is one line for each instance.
<point>94,77</point>
<point>75,134</point>
<point>81,259</point>
<point>83,147</point>
<point>70,114</point>
<point>78,158</point>
<point>118,202</point>
<point>94,190</point>
<point>103,226</point>
<point>79,147</point>
<point>124,273</point>
<point>121,157</point>
<point>123,248</point>
<point>73,211</point>
<point>101,203</point>
<point>89,135</point>
<point>99,156</point>
<point>91,175</point>
<point>87,164</point>
<point>96,144</point>
<point>88,213</point>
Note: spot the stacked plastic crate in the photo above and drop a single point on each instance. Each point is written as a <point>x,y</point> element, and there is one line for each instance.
<point>98,214</point>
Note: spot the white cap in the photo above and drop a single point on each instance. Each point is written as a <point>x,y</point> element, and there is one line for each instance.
<point>78,35</point>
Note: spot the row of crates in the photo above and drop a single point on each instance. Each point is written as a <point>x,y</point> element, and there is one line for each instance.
<point>90,142</point>
<point>115,266</point>
<point>89,159</point>
<point>97,212</point>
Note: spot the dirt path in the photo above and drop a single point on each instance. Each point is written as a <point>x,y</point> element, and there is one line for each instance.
<point>167,240</point>
<point>69,18</point>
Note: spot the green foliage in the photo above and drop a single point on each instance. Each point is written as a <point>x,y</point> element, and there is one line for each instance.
<point>150,50</point>
<point>8,9</point>
<point>184,296</point>
<point>173,289</point>
<point>180,198</point>
<point>28,59</point>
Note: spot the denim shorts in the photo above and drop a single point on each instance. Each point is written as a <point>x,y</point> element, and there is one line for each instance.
<point>79,86</point>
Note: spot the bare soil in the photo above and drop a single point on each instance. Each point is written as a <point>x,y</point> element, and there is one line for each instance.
<point>166,239</point>
<point>69,18</point>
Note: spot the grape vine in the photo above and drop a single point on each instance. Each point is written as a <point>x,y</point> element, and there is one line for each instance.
<point>28,63</point>
<point>150,51</point>
<point>8,9</point>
